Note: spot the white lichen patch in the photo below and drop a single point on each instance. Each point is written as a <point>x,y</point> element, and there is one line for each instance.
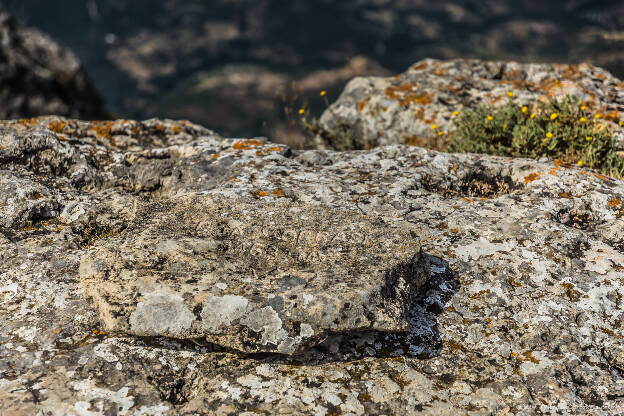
<point>161,313</point>
<point>483,247</point>
<point>267,322</point>
<point>220,311</point>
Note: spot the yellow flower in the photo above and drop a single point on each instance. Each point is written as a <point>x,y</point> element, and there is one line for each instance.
<point>490,118</point>
<point>556,81</point>
<point>621,123</point>
<point>525,109</point>
<point>549,135</point>
<point>588,138</point>
<point>323,93</point>
<point>583,107</point>
<point>434,126</point>
<point>510,94</point>
<point>455,113</point>
<point>440,133</point>
<point>554,116</point>
<point>597,116</point>
<point>582,119</point>
<point>301,111</point>
<point>532,115</point>
<point>580,163</point>
<point>504,126</point>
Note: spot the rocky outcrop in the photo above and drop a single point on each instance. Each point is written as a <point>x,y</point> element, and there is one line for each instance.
<point>418,106</point>
<point>39,77</point>
<point>156,268</point>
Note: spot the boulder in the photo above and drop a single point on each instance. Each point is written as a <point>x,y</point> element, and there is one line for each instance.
<point>254,276</point>
<point>39,77</point>
<point>415,106</point>
<point>157,268</point>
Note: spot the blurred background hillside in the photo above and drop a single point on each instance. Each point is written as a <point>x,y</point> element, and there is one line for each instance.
<point>238,66</point>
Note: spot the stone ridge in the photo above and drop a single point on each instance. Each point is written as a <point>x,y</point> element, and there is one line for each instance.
<point>254,276</point>
<point>413,107</point>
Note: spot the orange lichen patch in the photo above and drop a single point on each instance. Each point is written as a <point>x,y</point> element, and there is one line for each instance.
<point>246,144</point>
<point>564,195</point>
<point>454,346</point>
<point>420,65</point>
<point>600,176</point>
<point>159,127</point>
<point>362,104</point>
<point>396,92</point>
<point>102,129</point>
<point>524,356</point>
<point>553,171</point>
<point>57,126</point>
<point>260,153</point>
<point>414,141</point>
<point>96,332</point>
<point>454,230</point>
<point>561,163</point>
<point>262,193</point>
<point>615,202</point>
<point>233,179</point>
<point>533,176</point>
<point>274,149</point>
<point>27,121</point>
<point>439,71</point>
<point>59,228</point>
<point>528,356</point>
<point>216,155</point>
<point>404,94</point>
<point>467,199</point>
<point>571,293</point>
<point>176,129</point>
<point>278,193</point>
<point>612,116</point>
<point>57,330</point>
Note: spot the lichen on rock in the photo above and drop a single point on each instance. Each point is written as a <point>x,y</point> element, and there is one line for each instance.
<point>157,268</point>
<point>283,264</point>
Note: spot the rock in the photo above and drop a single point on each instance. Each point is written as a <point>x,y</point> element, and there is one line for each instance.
<point>254,276</point>
<point>38,76</point>
<point>521,312</point>
<point>229,64</point>
<point>411,108</point>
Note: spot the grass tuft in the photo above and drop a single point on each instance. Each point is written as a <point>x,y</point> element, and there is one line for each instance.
<point>559,129</point>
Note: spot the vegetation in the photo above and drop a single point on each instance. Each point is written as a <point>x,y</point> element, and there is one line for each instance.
<point>560,129</point>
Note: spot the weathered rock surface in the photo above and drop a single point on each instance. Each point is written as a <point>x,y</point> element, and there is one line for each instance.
<point>521,314</point>
<point>413,107</point>
<point>254,276</point>
<point>38,77</point>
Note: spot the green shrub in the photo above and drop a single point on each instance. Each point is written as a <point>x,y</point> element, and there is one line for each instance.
<point>560,129</point>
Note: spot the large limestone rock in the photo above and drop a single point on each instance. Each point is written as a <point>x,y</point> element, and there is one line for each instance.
<point>521,312</point>
<point>254,276</point>
<point>413,107</point>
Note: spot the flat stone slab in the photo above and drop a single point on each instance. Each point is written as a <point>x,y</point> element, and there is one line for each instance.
<point>255,276</point>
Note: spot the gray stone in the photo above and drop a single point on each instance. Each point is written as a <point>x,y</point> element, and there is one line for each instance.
<point>413,107</point>
<point>262,276</point>
<point>521,314</point>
